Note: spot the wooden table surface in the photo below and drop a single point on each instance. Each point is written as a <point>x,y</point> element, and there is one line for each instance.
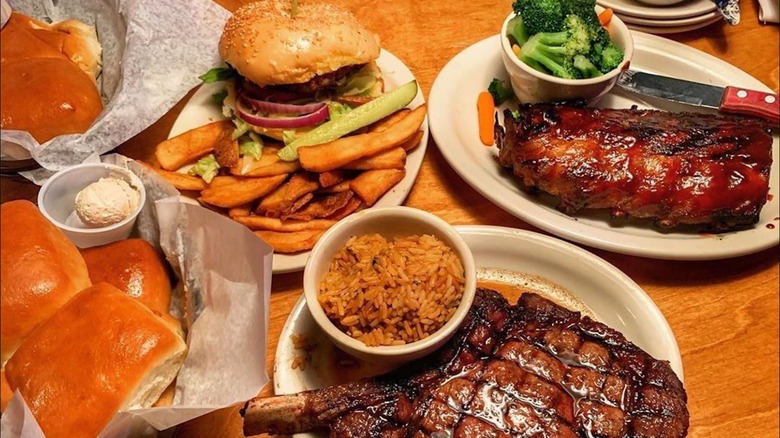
<point>723,313</point>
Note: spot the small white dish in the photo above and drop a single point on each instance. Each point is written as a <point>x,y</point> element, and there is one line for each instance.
<point>388,222</point>
<point>532,86</point>
<point>57,202</point>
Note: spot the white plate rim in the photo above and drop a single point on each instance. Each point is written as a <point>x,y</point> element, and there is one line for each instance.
<point>284,376</point>
<point>662,30</point>
<point>709,17</point>
<point>394,71</point>
<point>688,8</point>
<point>726,245</point>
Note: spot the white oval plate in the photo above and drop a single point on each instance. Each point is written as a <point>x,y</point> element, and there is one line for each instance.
<point>663,30</point>
<point>688,8</point>
<point>453,118</point>
<point>708,18</point>
<point>610,294</point>
<point>200,110</point>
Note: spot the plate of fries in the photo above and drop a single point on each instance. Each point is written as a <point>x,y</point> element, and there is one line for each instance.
<point>290,204</point>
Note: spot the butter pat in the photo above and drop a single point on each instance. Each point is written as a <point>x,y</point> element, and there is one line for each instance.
<point>106,202</point>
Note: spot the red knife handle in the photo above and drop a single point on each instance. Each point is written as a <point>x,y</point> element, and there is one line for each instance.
<point>752,103</point>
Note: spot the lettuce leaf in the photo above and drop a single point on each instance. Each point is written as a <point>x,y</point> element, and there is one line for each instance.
<point>207,168</point>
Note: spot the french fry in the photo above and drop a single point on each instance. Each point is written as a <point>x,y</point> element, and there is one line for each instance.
<point>226,150</point>
<point>335,154</point>
<point>321,207</point>
<point>354,204</point>
<point>182,181</point>
<point>372,184</point>
<point>241,192</point>
<point>211,207</point>
<point>276,224</point>
<point>269,164</point>
<point>283,197</point>
<point>241,210</point>
<point>332,177</point>
<point>224,180</point>
<point>298,204</point>
<point>413,141</point>
<point>336,188</point>
<point>191,145</point>
<point>394,158</point>
<point>290,242</point>
<point>389,121</point>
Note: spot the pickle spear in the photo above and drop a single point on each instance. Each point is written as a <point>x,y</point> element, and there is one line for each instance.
<point>359,117</point>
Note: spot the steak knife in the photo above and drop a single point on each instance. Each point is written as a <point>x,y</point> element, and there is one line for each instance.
<point>728,99</point>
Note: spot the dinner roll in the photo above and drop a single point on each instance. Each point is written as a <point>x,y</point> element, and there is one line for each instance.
<point>45,90</point>
<point>5,391</point>
<point>72,38</point>
<point>40,269</point>
<point>101,353</point>
<point>133,266</point>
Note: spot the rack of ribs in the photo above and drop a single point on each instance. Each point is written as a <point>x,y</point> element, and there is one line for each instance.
<point>533,369</point>
<point>676,168</point>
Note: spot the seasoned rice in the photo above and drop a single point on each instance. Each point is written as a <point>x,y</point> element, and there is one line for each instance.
<point>392,293</point>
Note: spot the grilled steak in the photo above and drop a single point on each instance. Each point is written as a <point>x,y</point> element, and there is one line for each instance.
<point>677,168</point>
<point>530,370</point>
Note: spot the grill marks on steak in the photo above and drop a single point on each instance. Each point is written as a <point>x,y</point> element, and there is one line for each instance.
<point>677,168</point>
<point>530,370</point>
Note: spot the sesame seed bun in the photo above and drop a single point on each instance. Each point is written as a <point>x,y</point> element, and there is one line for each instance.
<point>269,47</point>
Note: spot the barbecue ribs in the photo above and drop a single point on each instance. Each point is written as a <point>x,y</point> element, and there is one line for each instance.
<point>676,168</point>
<point>530,370</point>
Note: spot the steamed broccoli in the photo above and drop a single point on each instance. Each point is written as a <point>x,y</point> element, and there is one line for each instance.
<point>500,91</point>
<point>585,67</point>
<point>554,52</point>
<point>565,38</point>
<point>540,15</point>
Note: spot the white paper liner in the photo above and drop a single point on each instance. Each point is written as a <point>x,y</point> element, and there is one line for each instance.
<point>226,272</point>
<point>153,53</point>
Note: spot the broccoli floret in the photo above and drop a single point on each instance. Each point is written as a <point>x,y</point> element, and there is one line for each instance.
<point>611,57</point>
<point>540,15</point>
<point>517,30</point>
<point>585,67</point>
<point>546,52</point>
<point>500,91</point>
<point>554,52</point>
<point>559,31</point>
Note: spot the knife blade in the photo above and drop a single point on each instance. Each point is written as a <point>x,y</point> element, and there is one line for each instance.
<point>728,99</point>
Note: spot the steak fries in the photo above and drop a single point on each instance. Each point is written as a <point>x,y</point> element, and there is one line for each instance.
<point>289,204</point>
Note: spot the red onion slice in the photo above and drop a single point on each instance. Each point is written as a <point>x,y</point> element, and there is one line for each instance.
<point>281,122</point>
<point>281,108</point>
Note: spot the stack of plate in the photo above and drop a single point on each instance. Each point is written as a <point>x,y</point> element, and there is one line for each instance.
<point>660,17</point>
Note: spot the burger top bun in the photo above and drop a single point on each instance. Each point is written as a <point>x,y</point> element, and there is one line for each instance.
<point>270,47</point>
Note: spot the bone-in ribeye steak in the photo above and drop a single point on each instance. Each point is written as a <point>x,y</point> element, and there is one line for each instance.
<point>676,168</point>
<point>534,369</point>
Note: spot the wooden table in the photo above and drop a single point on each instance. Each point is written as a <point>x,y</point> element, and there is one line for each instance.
<point>723,313</point>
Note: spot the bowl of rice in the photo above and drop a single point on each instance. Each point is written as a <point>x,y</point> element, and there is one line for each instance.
<point>390,285</point>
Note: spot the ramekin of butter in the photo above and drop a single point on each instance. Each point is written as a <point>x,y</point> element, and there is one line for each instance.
<point>93,203</point>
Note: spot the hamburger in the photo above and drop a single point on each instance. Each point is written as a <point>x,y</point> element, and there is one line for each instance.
<point>49,77</point>
<point>291,67</point>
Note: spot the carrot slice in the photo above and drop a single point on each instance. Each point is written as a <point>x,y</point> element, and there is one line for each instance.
<point>485,108</point>
<point>605,16</point>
